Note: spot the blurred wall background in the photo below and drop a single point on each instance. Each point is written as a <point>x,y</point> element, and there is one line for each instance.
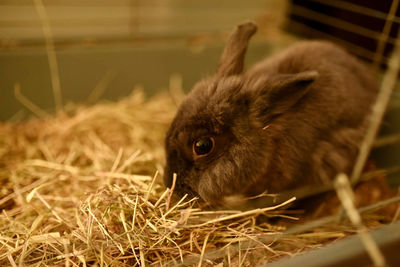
<point>121,43</point>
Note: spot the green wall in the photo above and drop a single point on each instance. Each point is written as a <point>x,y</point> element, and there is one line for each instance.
<point>82,69</point>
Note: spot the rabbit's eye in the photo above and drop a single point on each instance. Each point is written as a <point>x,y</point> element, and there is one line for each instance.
<point>203,146</point>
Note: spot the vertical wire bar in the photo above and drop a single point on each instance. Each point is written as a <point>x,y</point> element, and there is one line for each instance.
<point>385,34</point>
<point>51,54</point>
<point>346,197</point>
<point>134,17</point>
<point>387,86</point>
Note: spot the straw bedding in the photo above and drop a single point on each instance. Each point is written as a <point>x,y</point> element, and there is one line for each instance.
<point>83,188</point>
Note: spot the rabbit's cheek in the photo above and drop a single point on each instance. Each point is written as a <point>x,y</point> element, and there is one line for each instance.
<point>216,181</point>
<point>208,191</point>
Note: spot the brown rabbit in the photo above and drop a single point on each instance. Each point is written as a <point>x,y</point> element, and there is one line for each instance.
<point>294,119</point>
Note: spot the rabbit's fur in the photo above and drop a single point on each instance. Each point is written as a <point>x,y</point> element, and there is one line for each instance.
<point>294,119</point>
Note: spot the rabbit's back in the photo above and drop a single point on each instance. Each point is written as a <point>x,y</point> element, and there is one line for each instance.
<point>320,136</point>
<point>345,89</point>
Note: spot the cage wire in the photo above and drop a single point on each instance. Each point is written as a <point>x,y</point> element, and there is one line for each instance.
<point>309,18</point>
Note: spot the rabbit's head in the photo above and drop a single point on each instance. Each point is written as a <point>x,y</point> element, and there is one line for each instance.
<point>218,141</point>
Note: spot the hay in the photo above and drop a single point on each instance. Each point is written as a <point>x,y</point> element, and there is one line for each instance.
<point>84,188</point>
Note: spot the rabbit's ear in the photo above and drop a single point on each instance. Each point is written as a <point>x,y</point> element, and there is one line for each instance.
<point>232,59</point>
<point>275,95</point>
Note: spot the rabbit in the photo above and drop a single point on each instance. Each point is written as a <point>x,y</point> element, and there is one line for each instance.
<point>297,118</point>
